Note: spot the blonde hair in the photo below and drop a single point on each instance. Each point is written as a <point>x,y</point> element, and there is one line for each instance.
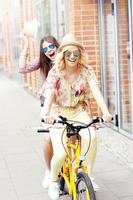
<point>60,61</point>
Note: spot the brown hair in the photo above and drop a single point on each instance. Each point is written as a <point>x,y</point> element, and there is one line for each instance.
<point>45,62</point>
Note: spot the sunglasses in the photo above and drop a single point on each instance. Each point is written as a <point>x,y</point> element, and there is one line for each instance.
<point>69,53</point>
<point>51,46</point>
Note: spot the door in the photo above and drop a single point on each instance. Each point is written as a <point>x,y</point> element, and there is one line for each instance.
<point>116,60</point>
<point>125,64</point>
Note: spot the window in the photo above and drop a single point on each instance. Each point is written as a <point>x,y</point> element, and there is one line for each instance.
<point>43,17</point>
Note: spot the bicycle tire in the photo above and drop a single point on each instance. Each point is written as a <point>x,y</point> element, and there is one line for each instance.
<point>84,187</point>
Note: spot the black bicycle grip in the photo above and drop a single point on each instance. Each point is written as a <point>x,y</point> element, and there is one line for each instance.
<point>41,130</point>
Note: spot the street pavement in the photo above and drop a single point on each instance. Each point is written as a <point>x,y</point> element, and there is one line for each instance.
<point>21,152</point>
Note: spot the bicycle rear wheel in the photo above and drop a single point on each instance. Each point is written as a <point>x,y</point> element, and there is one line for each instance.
<point>84,187</point>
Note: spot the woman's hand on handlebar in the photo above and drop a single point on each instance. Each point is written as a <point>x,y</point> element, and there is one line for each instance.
<point>107,117</point>
<point>48,119</point>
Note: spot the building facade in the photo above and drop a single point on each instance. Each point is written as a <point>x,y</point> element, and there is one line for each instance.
<point>105,28</point>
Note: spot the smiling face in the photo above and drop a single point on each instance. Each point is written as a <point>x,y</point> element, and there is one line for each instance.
<point>49,50</point>
<point>72,56</point>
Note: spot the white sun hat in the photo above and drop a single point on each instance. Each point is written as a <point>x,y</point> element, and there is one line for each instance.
<point>69,40</point>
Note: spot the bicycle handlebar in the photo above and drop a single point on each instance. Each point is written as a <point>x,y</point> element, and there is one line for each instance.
<point>70,124</point>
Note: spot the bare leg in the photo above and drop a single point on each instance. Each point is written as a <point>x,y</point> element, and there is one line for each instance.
<point>47,151</point>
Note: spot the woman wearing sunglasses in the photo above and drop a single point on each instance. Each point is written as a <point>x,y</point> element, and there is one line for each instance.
<point>48,50</point>
<point>70,82</point>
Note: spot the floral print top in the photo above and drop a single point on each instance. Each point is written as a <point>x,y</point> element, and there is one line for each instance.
<point>71,95</point>
<point>30,67</point>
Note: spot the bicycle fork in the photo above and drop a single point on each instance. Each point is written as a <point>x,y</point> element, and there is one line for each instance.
<point>73,183</point>
<point>74,152</point>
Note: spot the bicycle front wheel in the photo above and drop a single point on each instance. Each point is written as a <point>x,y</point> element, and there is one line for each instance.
<point>84,187</point>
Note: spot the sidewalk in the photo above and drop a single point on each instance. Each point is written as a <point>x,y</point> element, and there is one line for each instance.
<point>21,157</point>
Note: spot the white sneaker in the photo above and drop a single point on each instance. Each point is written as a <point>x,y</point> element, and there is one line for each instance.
<point>95,186</point>
<point>53,191</point>
<point>46,180</point>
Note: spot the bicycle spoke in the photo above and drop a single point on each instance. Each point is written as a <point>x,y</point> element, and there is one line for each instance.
<point>84,187</point>
<point>82,191</point>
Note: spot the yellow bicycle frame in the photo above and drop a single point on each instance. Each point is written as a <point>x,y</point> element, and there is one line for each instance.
<point>71,166</point>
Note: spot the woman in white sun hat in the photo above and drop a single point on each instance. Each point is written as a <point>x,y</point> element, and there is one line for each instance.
<point>70,83</point>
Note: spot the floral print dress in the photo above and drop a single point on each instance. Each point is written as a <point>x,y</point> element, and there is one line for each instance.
<point>71,98</point>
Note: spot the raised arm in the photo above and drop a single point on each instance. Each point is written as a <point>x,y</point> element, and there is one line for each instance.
<point>24,53</point>
<point>30,67</point>
<point>25,67</point>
